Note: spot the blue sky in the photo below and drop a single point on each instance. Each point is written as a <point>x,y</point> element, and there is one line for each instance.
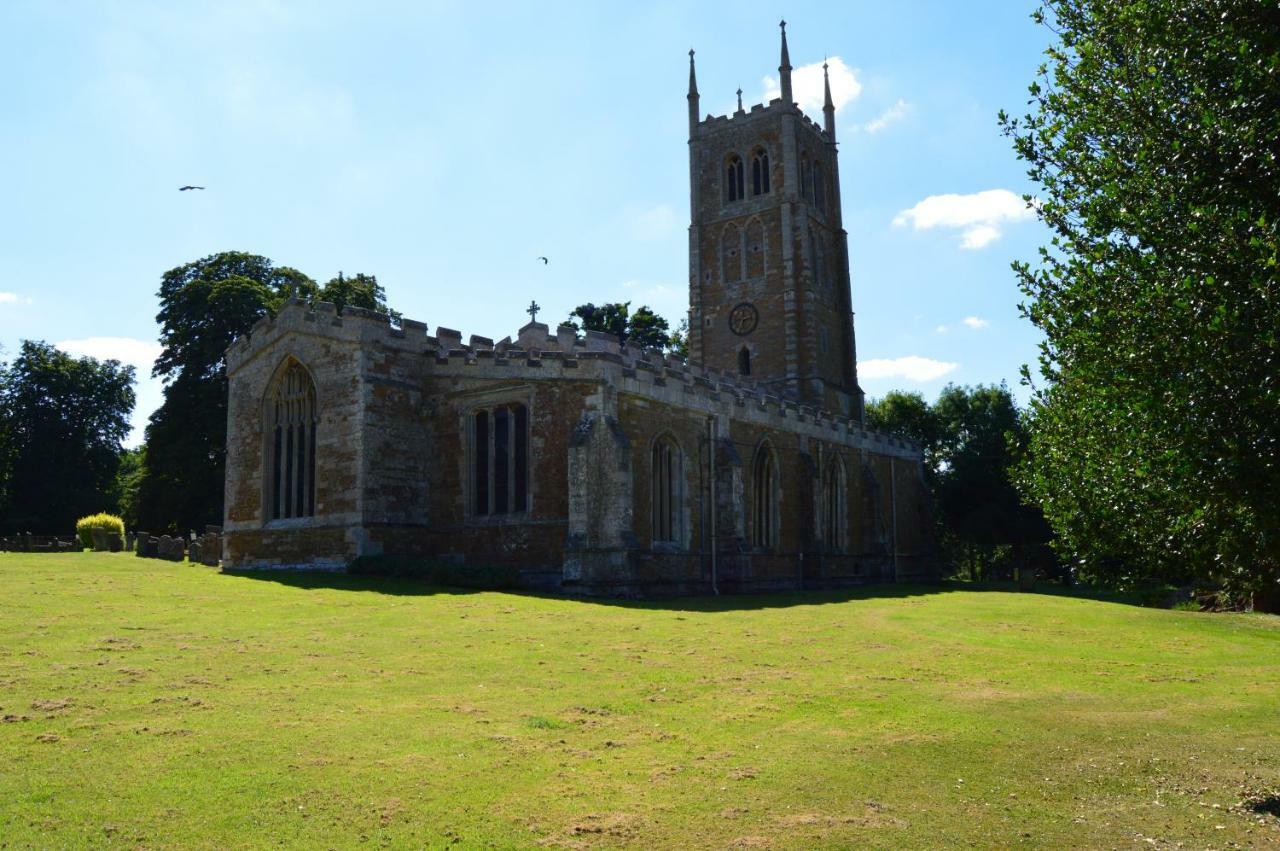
<point>444,146</point>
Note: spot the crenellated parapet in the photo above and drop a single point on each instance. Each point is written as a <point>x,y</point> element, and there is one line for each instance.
<point>538,354</point>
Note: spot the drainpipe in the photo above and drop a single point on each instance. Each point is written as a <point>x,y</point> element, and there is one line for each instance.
<point>893,500</point>
<point>711,460</point>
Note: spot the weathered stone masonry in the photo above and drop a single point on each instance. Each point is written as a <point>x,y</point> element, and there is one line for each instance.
<point>593,467</point>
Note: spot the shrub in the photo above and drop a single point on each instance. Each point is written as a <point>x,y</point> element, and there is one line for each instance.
<point>487,577</point>
<point>107,522</point>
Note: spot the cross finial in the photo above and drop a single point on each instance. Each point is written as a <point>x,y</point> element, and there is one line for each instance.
<point>739,100</point>
<point>532,310</point>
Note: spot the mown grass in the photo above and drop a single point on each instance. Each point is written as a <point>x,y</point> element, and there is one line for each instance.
<point>151,704</point>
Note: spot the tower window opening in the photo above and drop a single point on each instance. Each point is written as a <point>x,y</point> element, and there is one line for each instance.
<point>760,172</point>
<point>735,174</point>
<point>819,188</point>
<point>744,361</point>
<point>806,179</point>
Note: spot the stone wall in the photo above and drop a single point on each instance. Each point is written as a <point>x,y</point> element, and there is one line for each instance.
<point>393,471</point>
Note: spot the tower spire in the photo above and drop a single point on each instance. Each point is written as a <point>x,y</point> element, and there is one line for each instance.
<point>828,108</point>
<point>784,69</point>
<point>693,96</point>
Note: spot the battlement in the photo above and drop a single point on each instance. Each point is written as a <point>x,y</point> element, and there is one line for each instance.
<point>539,354</point>
<point>758,111</point>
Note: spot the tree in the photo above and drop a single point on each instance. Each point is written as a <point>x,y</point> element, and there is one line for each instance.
<point>1154,443</point>
<point>361,290</point>
<point>204,306</point>
<point>125,487</point>
<point>972,439</point>
<point>62,420</point>
<point>642,328</point>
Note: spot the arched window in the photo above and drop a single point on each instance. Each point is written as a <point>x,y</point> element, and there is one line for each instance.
<point>820,264</point>
<point>760,172</point>
<point>731,253</point>
<point>733,178</point>
<point>755,249</point>
<point>835,506</point>
<point>744,361</point>
<point>819,188</point>
<point>806,178</point>
<point>666,481</point>
<point>291,447</point>
<point>764,500</point>
<point>500,459</point>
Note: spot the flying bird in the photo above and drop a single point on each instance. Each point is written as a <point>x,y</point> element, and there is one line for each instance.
<point>544,260</point>
<point>185,188</point>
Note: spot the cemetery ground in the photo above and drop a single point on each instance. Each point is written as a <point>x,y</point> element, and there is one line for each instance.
<point>151,704</point>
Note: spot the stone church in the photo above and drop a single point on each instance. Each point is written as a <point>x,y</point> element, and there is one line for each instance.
<point>592,466</point>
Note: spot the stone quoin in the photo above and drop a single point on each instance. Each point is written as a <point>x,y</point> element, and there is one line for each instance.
<point>589,465</point>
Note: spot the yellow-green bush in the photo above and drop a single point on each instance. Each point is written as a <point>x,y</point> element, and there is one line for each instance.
<point>107,522</point>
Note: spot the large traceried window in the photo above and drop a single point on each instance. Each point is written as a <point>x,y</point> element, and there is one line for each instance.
<point>734,173</point>
<point>731,252</point>
<point>760,172</point>
<point>835,506</point>
<point>500,460</point>
<point>291,446</point>
<point>666,481</point>
<point>819,188</point>
<point>764,500</point>
<point>755,248</point>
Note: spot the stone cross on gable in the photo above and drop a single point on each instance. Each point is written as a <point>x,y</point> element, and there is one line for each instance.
<point>532,310</point>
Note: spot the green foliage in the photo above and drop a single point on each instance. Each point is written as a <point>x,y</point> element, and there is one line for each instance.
<point>107,522</point>
<point>680,339</point>
<point>62,421</point>
<point>125,488</point>
<point>1155,443</point>
<point>642,328</point>
<point>483,576</point>
<point>972,439</point>
<point>361,290</point>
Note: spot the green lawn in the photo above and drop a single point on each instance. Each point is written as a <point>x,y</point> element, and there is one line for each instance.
<point>150,704</point>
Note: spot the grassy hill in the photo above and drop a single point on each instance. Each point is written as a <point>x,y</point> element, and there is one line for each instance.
<point>155,705</point>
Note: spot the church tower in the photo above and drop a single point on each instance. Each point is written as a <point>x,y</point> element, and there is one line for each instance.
<point>769,290</point>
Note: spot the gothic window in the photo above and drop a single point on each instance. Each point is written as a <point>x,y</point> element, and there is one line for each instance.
<point>755,249</point>
<point>819,188</point>
<point>806,178</point>
<point>760,172</point>
<point>820,264</point>
<point>734,173</point>
<point>291,447</point>
<point>500,460</point>
<point>764,500</point>
<point>744,361</point>
<point>731,253</point>
<point>666,484</point>
<point>834,504</point>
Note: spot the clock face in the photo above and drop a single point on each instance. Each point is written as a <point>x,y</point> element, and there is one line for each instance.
<point>743,319</point>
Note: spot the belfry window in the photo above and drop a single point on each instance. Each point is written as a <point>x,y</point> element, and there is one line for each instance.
<point>291,448</point>
<point>764,500</point>
<point>819,188</point>
<point>500,460</point>
<point>834,504</point>
<point>806,179</point>
<point>760,172</point>
<point>733,175</point>
<point>666,481</point>
<point>744,361</point>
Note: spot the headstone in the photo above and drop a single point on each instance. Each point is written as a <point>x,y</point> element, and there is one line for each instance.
<point>99,537</point>
<point>1026,578</point>
<point>115,543</point>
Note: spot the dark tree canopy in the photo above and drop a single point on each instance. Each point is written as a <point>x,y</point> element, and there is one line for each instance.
<point>642,328</point>
<point>1154,134</point>
<point>360,290</point>
<point>973,438</point>
<point>62,422</point>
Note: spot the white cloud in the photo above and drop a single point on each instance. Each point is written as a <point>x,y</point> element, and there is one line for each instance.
<point>976,323</point>
<point>911,367</point>
<point>14,298</point>
<point>979,216</point>
<point>941,329</point>
<point>806,85</point>
<point>141,354</point>
<point>892,115</point>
